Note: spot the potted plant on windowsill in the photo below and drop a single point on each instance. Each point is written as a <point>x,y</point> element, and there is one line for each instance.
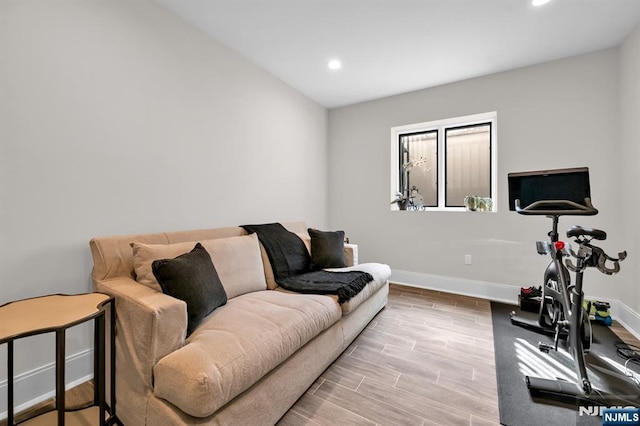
<point>404,199</point>
<point>401,200</point>
<point>475,203</point>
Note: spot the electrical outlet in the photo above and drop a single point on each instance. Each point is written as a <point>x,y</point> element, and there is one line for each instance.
<point>467,259</point>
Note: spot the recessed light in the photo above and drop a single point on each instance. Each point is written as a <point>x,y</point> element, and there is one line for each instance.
<point>334,64</point>
<point>539,2</point>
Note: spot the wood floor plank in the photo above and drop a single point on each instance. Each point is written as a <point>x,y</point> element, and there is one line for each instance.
<point>342,376</point>
<point>293,418</point>
<point>415,403</point>
<point>624,334</point>
<point>398,365</point>
<point>479,359</point>
<point>415,299</point>
<point>368,369</point>
<point>419,332</point>
<point>380,337</point>
<point>435,362</point>
<point>471,348</point>
<point>314,410</point>
<point>444,311</point>
<point>479,421</point>
<point>472,387</point>
<point>382,412</point>
<point>406,289</point>
<point>475,403</point>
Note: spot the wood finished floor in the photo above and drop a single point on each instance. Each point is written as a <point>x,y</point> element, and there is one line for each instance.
<point>77,397</point>
<point>426,359</point>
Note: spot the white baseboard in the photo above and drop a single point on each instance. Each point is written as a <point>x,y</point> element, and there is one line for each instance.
<point>38,385</point>
<point>503,293</point>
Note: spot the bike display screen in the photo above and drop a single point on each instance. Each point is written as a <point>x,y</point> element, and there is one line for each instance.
<point>544,185</point>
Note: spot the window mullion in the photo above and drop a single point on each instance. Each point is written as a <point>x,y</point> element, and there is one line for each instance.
<point>442,173</point>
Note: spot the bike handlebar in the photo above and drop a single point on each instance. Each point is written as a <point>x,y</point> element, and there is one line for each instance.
<point>557,208</point>
<point>604,257</point>
<point>594,256</point>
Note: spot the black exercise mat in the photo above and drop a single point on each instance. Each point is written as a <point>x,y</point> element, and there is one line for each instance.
<point>517,355</point>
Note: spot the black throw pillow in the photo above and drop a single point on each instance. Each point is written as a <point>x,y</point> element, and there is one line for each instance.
<point>193,278</point>
<point>327,249</point>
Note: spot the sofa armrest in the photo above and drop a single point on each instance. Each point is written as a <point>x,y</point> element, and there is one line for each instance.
<point>149,326</point>
<point>351,254</point>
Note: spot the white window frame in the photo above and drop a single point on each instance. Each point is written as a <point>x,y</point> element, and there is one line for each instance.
<point>440,126</point>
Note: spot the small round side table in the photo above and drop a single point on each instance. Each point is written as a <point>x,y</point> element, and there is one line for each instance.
<point>55,314</point>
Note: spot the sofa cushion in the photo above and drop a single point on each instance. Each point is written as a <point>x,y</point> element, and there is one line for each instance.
<point>237,345</point>
<point>239,263</point>
<point>237,259</point>
<point>380,273</point>
<point>145,254</point>
<point>327,249</point>
<point>191,277</point>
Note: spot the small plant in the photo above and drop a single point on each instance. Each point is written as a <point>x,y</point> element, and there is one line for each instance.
<point>475,203</point>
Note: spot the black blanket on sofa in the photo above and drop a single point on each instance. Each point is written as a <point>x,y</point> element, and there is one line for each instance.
<point>291,262</point>
<point>344,284</point>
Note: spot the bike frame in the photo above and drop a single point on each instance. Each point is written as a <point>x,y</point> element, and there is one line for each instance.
<point>571,300</point>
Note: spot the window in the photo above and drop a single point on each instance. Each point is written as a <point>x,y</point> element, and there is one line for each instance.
<point>437,165</point>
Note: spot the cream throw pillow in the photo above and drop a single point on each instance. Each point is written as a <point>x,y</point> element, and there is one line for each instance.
<point>237,260</point>
<point>145,254</point>
<point>239,263</point>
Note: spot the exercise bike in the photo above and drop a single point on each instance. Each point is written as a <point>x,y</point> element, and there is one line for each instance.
<point>562,313</point>
<point>554,312</point>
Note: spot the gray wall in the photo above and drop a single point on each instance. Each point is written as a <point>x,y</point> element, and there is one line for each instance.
<point>630,160</point>
<point>118,117</point>
<point>554,115</point>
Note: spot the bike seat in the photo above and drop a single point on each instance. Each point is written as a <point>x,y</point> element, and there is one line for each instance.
<point>579,231</point>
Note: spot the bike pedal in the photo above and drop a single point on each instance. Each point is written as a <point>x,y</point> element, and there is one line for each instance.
<point>545,347</point>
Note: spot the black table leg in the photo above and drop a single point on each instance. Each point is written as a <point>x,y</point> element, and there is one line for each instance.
<point>60,373</point>
<point>10,382</point>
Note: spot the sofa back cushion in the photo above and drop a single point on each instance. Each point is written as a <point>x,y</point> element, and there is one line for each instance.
<point>145,254</point>
<point>113,257</point>
<point>237,260</point>
<point>239,263</point>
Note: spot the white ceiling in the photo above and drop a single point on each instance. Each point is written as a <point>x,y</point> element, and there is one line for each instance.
<point>395,46</point>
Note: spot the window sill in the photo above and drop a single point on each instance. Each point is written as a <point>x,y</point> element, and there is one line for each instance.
<point>442,209</point>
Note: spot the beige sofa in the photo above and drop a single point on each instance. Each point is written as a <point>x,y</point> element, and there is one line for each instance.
<point>248,361</point>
